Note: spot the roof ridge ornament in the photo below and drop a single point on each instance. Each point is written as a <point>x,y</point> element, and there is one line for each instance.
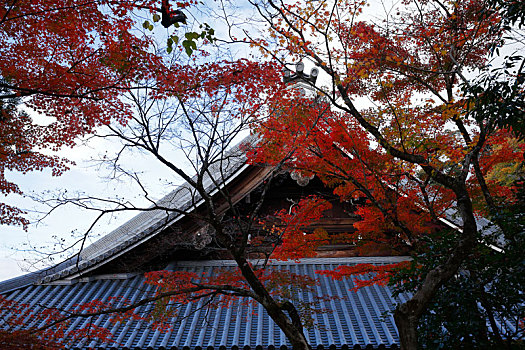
<point>299,74</point>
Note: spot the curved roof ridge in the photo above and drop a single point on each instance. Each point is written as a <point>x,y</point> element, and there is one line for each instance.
<point>142,226</point>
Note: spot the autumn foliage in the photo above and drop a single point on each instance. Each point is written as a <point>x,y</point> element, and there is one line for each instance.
<point>401,123</point>
<point>44,330</point>
<point>68,63</point>
<point>419,123</point>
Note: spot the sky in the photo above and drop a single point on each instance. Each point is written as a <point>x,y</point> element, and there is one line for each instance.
<point>22,251</point>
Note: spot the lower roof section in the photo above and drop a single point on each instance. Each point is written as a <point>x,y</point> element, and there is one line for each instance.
<point>351,320</point>
<point>259,347</point>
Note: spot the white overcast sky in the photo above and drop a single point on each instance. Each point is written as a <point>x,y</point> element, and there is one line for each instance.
<point>69,222</point>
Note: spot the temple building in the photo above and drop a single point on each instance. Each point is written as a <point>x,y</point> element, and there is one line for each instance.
<point>114,267</point>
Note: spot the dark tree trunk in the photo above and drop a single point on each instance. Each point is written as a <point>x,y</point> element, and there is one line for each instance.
<point>285,315</point>
<point>406,323</point>
<point>290,325</point>
<point>408,314</point>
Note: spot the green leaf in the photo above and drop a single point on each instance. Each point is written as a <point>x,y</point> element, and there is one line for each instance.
<point>187,44</point>
<point>145,25</point>
<point>175,39</point>
<point>192,35</point>
<point>150,27</point>
<point>169,49</point>
<point>156,17</point>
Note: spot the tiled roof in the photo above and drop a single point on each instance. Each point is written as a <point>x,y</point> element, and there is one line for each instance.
<point>355,319</point>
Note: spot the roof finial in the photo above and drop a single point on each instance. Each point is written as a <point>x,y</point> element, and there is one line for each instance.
<point>300,75</point>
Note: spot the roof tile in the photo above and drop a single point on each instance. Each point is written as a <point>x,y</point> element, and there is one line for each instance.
<point>354,318</point>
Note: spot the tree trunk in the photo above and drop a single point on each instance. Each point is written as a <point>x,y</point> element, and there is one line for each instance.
<point>290,325</point>
<point>406,322</point>
<point>407,315</point>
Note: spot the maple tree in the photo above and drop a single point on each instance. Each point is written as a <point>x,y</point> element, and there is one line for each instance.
<point>208,106</point>
<point>67,63</point>
<point>429,142</point>
<point>64,68</point>
<point>58,336</point>
<point>198,108</point>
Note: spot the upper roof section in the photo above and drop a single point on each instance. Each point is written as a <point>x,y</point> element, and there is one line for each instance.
<point>142,227</point>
